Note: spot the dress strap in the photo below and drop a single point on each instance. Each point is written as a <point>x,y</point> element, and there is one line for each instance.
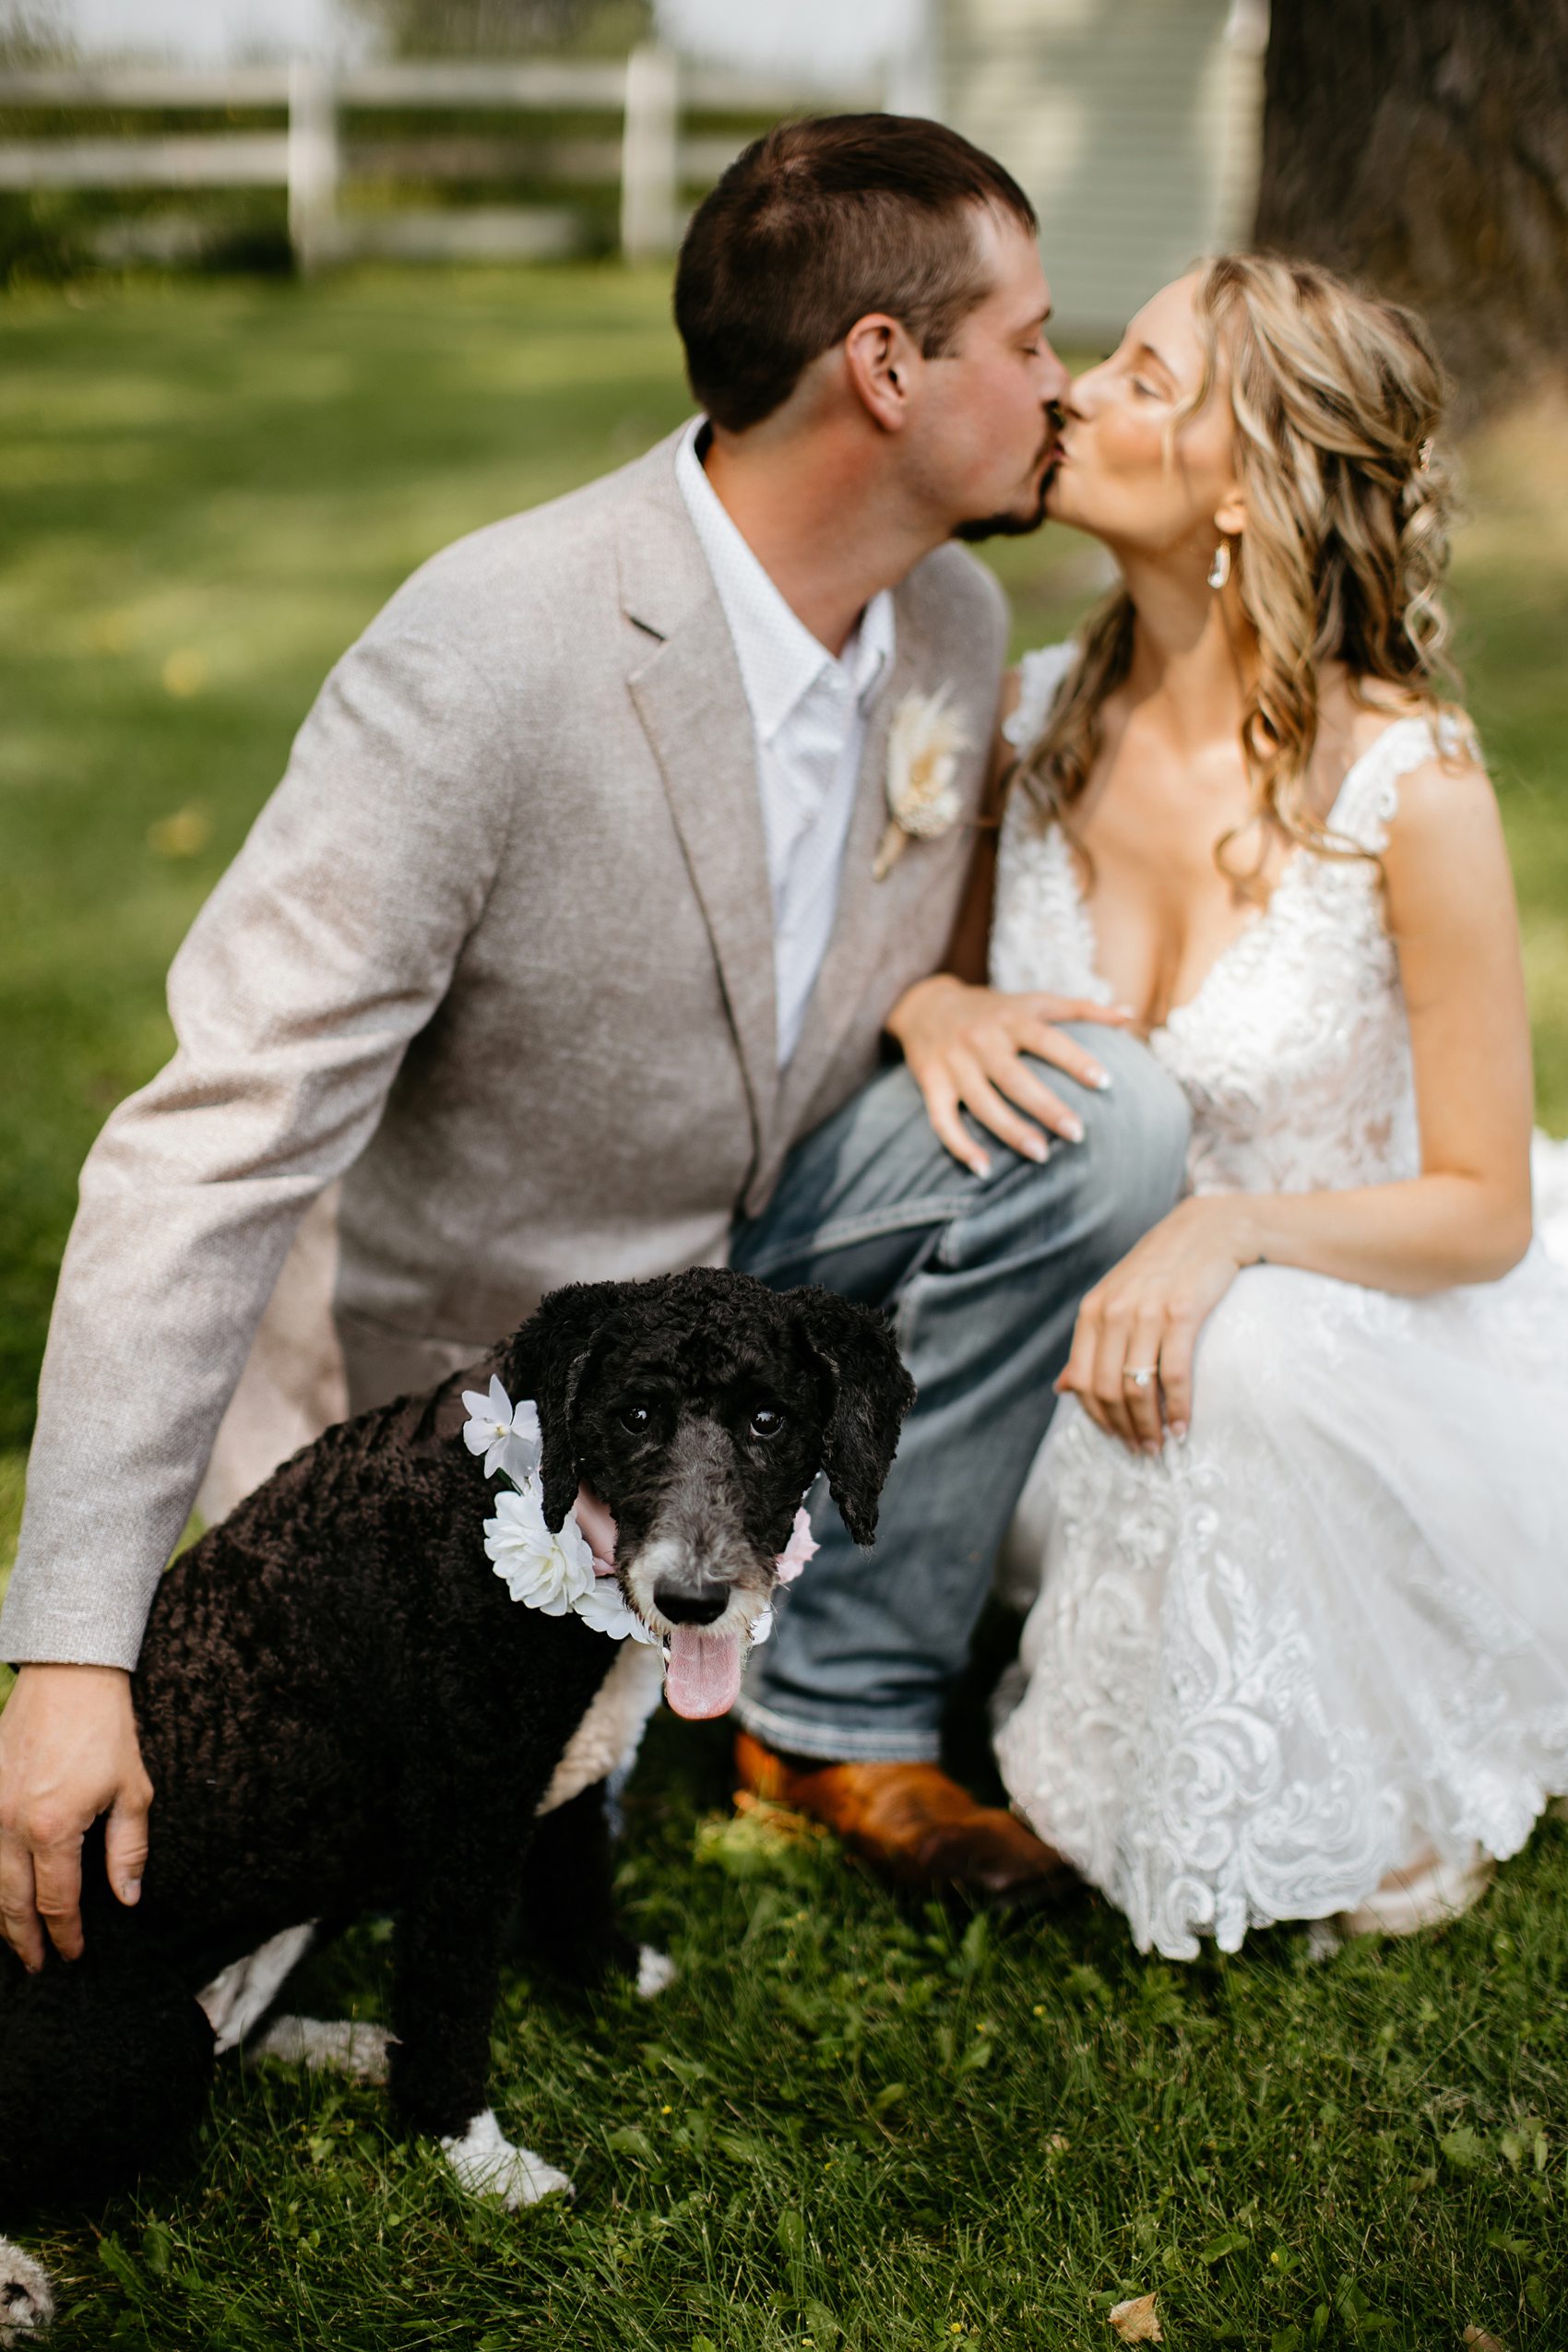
<point>1369,797</point>
<point>1040,674</point>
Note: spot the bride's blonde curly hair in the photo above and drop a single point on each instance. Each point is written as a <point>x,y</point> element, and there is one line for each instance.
<point>1337,398</point>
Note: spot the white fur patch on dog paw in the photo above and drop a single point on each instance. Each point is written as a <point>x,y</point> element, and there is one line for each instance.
<point>26,2304</point>
<point>246,1991</point>
<point>487,2165</point>
<point>656,1972</point>
<point>333,2046</point>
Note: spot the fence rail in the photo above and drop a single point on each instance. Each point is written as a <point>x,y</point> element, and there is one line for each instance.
<point>648,148</point>
<point>226,160</point>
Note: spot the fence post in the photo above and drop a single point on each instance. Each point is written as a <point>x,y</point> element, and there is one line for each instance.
<point>313,163</point>
<point>649,156</point>
<point>914,80</point>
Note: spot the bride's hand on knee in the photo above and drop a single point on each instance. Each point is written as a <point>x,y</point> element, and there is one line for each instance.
<point>1131,1361</point>
<point>964,1047</point>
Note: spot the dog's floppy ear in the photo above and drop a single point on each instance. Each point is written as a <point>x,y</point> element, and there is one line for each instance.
<point>548,1358</point>
<point>869,1394</point>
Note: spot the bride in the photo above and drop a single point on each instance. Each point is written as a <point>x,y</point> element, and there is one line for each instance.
<point>1300,1526</point>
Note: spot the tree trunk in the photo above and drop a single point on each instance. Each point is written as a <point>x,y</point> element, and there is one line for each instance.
<point>1421,146</point>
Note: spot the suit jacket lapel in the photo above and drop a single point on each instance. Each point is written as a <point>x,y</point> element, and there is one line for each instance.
<point>689,695</point>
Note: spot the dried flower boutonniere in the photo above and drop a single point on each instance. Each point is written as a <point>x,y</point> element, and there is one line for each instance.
<point>925,744</point>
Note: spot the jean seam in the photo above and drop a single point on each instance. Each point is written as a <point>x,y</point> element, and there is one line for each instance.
<point>801,1735</point>
<point>907,1218</point>
<point>941,1211</point>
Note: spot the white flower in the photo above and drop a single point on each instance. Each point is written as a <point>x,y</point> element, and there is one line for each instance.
<point>761,1626</point>
<point>606,1611</point>
<point>508,1439</point>
<point>550,1572</point>
<point>925,742</point>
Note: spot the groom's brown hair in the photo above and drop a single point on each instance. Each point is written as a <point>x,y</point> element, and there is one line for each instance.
<point>817,224</point>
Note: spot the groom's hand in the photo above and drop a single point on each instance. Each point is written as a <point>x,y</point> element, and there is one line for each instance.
<point>964,1047</point>
<point>68,1752</point>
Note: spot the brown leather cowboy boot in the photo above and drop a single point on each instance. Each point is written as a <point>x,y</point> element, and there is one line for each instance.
<point>911,1822</point>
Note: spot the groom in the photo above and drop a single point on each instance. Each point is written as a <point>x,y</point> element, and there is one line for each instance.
<point>559,935</point>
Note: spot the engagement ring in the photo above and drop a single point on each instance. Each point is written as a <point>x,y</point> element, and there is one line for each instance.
<point>1142,1377</point>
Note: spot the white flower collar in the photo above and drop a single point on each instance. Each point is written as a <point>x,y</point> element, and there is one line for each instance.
<point>565,1574</point>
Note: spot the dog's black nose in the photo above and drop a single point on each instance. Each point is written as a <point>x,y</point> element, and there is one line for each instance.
<point>691,1604</point>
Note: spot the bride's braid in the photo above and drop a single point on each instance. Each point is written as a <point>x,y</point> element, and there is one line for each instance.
<point>1337,398</point>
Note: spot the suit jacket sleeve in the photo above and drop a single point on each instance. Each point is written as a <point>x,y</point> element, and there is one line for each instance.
<point>326,948</point>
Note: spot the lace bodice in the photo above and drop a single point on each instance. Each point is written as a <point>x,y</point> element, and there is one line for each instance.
<point>1295,1050</point>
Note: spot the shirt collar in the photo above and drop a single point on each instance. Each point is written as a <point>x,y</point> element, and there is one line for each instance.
<point>780,660</point>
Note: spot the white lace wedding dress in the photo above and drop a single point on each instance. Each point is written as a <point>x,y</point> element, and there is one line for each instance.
<point>1330,1629</point>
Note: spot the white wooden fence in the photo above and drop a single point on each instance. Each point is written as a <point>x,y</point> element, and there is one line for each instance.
<point>650,145</point>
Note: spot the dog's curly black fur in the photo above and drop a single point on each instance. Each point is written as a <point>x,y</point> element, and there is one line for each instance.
<point>342,1711</point>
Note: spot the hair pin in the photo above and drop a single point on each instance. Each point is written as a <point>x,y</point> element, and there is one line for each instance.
<point>1423,456</point>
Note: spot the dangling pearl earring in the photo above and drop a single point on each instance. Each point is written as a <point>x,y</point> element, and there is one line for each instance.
<point>1220,570</point>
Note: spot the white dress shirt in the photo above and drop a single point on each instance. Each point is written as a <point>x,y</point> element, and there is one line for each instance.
<point>809,714</point>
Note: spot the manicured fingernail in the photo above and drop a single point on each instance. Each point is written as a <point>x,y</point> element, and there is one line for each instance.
<point>1072,1128</point>
<point>1100,1078</point>
<point>1038,1148</point>
<point>131,1891</point>
<point>1179,1431</point>
<point>979,1167</point>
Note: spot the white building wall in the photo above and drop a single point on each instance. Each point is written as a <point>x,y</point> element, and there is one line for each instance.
<point>1133,124</point>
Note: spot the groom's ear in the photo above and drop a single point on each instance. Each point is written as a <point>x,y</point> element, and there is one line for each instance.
<point>551,1354</point>
<point>868,1394</point>
<point>882,361</point>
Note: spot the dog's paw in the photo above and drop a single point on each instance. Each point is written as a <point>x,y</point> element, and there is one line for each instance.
<point>333,2046</point>
<point>656,1972</point>
<point>487,2165</point>
<point>26,2304</point>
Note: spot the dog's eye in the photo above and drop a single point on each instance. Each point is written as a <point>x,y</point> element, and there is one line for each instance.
<point>636,1417</point>
<point>766,1423</point>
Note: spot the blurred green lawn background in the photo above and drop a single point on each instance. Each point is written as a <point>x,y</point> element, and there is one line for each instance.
<point>207,490</point>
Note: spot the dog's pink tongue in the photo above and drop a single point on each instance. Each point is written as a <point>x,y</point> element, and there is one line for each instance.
<point>703,1677</point>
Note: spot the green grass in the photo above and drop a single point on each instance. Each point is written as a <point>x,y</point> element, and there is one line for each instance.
<point>208,489</point>
<point>847,2124</point>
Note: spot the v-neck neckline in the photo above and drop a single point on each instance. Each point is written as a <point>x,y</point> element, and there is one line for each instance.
<point>1179,1013</point>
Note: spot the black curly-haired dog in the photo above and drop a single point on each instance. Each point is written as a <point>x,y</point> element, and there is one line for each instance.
<point>342,1710</point>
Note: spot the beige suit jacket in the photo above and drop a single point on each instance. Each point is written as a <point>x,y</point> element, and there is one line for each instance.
<point>497,955</point>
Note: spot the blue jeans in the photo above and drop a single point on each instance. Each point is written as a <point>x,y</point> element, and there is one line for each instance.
<point>983,1277</point>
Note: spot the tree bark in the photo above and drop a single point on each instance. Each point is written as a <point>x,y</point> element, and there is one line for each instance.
<point>1421,146</point>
